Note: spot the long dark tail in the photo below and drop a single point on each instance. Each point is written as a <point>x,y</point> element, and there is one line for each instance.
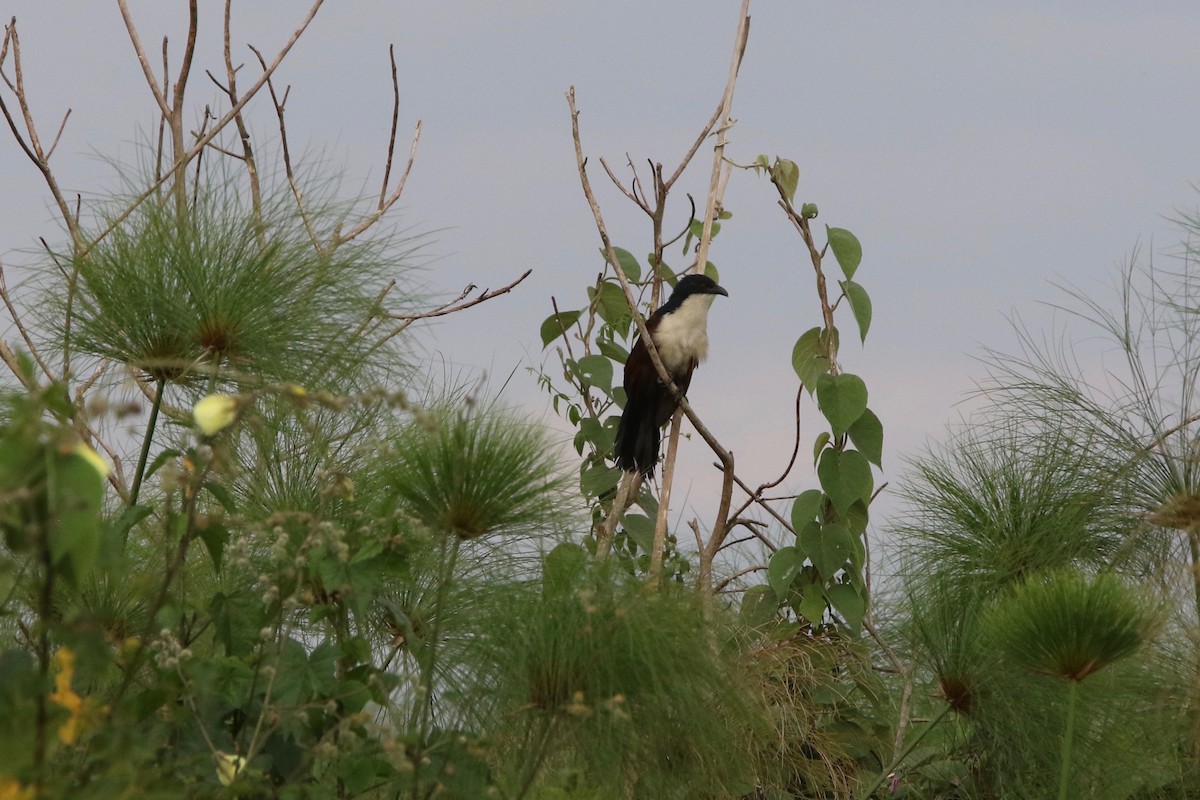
<point>638,433</point>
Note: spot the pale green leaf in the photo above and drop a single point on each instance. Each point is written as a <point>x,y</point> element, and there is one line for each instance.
<point>860,305</point>
<point>822,439</point>
<point>785,564</point>
<point>842,399</point>
<point>849,603</point>
<point>759,606</point>
<point>829,546</point>
<point>805,508</point>
<point>810,358</point>
<point>555,324</point>
<point>598,479</point>
<point>611,304</point>
<point>786,174</point>
<point>597,370</point>
<point>846,249</point>
<point>867,434</point>
<point>629,264</point>
<point>812,604</point>
<point>845,477</point>
<point>641,529</point>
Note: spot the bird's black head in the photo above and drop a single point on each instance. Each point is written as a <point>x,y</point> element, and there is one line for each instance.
<point>696,284</point>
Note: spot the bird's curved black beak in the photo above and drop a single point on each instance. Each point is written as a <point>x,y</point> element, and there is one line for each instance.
<point>720,290</point>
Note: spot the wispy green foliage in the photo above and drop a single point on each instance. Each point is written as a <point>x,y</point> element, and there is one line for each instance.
<point>994,506</point>
<point>223,295</point>
<point>1070,625</point>
<point>468,473</point>
<point>1124,379</point>
<point>591,673</point>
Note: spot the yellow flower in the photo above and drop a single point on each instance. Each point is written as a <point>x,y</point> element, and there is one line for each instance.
<point>11,789</point>
<point>92,457</point>
<point>215,412</point>
<point>228,767</point>
<point>66,697</point>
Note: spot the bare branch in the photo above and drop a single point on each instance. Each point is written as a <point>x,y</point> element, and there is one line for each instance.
<point>720,174</point>
<point>185,69</point>
<point>609,253</point>
<point>11,26</point>
<point>61,127</point>
<point>143,61</point>
<point>753,526</point>
<point>617,182</point>
<point>162,121</point>
<point>243,132</point>
<point>10,360</point>
<point>21,329</point>
<point>740,573</point>
<point>778,517</point>
<point>725,456</point>
<point>454,306</point>
<point>216,129</point>
<point>695,526</point>
<point>686,227</point>
<point>12,125</point>
<point>720,170</point>
<point>378,213</point>
<point>664,500</point>
<point>627,490</point>
<point>391,150</point>
<point>33,150</point>
<point>297,192</point>
<point>687,159</point>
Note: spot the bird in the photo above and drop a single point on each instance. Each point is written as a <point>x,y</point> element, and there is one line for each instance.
<point>679,329</point>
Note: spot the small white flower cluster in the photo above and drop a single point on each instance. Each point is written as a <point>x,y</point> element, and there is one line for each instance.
<point>237,552</point>
<point>266,585</point>
<point>324,534</point>
<point>168,652</point>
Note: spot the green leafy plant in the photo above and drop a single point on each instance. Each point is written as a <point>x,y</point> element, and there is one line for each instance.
<point>823,572</point>
<point>1008,503</point>
<point>1070,626</point>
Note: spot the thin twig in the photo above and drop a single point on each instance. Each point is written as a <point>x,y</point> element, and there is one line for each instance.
<point>375,215</point>
<point>391,150</point>
<point>620,186</point>
<point>33,150</point>
<point>12,312</point>
<point>740,573</point>
<point>297,192</point>
<point>450,308</point>
<point>715,194</point>
<point>455,306</point>
<point>664,500</point>
<point>239,120</point>
<point>159,97</point>
<point>751,525</point>
<point>61,127</point>
<point>778,517</point>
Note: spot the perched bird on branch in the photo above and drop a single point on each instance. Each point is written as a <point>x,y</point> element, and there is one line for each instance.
<point>679,329</point>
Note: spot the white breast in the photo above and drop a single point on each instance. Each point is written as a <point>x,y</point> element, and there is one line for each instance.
<point>683,336</point>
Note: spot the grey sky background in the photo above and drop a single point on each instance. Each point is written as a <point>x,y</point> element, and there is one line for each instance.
<point>979,151</point>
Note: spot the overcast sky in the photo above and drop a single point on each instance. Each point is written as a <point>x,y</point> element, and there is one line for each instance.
<point>978,150</point>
